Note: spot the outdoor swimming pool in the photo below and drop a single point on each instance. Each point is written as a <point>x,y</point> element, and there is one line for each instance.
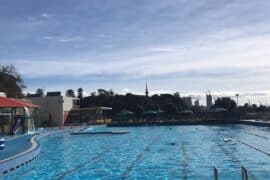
<point>156,152</point>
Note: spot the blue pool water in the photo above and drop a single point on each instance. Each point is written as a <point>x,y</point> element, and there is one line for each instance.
<point>157,152</point>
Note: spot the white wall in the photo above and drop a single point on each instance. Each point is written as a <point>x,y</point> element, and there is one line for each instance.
<point>50,104</point>
<point>68,103</point>
<point>56,105</point>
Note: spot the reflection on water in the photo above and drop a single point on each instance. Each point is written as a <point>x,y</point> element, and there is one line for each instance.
<point>175,152</point>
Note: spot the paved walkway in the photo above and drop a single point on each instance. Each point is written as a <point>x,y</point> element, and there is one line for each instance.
<point>256,122</point>
<point>15,146</point>
<point>18,144</point>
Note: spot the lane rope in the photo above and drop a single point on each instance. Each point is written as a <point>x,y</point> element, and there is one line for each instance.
<point>139,157</point>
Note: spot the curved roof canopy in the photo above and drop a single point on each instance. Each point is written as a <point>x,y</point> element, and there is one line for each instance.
<point>14,103</point>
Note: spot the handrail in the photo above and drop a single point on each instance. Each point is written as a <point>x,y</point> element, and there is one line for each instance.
<point>244,173</point>
<point>215,173</point>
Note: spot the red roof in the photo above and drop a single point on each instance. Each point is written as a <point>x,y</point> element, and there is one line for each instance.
<point>28,104</point>
<point>13,103</point>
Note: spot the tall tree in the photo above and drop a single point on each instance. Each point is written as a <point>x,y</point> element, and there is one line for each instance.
<point>70,93</point>
<point>167,103</point>
<point>11,81</point>
<point>93,93</point>
<point>103,92</point>
<point>226,103</point>
<point>111,92</point>
<point>40,92</point>
<point>80,93</point>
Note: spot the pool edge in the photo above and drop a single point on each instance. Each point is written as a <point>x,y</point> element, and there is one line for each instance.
<point>21,159</point>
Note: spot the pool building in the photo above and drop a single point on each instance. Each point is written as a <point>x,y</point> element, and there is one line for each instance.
<point>17,116</point>
<point>58,110</point>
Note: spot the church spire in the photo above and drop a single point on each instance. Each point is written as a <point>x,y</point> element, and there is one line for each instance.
<point>146,90</point>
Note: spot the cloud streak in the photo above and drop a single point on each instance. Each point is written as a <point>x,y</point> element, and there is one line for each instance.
<point>219,59</point>
<point>46,15</point>
<point>124,43</point>
<point>63,39</point>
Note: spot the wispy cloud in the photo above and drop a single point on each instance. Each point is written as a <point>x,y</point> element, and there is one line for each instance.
<point>108,46</point>
<point>47,15</point>
<point>197,60</point>
<point>163,50</point>
<point>189,45</point>
<point>63,39</point>
<point>38,20</point>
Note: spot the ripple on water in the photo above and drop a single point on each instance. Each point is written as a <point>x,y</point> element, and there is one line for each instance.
<point>178,152</point>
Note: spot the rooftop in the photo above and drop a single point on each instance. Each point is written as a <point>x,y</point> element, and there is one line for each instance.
<point>14,103</point>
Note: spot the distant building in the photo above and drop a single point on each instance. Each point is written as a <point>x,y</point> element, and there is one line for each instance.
<point>54,108</point>
<point>197,103</point>
<point>209,101</point>
<point>92,115</point>
<point>58,110</point>
<point>187,101</point>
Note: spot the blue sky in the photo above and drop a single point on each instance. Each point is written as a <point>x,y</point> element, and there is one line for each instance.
<point>188,46</point>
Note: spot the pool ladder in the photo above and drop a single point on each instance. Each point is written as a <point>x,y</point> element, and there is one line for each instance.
<point>244,173</point>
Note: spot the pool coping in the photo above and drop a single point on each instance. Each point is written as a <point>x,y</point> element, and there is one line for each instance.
<point>21,159</point>
<point>193,122</point>
<point>18,160</point>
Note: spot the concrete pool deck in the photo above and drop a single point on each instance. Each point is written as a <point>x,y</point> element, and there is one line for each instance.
<point>23,149</point>
<point>192,122</point>
<point>15,146</point>
<point>18,152</point>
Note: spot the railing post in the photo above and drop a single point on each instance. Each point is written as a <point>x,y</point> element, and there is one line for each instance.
<point>244,173</point>
<point>215,173</point>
